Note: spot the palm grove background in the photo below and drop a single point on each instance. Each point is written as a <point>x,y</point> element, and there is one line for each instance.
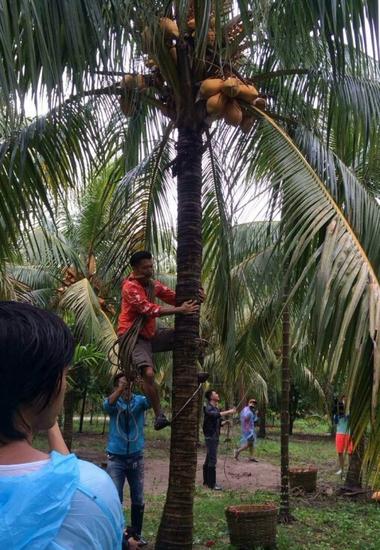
<point>89,182</point>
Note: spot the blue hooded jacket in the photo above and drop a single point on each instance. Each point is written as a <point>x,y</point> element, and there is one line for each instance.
<point>126,428</point>
<point>56,508</point>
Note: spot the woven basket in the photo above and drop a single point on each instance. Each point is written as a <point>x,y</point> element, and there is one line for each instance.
<point>252,525</point>
<point>303,478</point>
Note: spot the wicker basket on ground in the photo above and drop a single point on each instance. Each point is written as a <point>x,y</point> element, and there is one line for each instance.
<point>303,478</point>
<point>252,525</point>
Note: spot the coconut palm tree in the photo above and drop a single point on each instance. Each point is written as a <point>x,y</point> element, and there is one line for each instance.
<point>61,266</point>
<point>315,146</point>
<point>86,358</point>
<point>257,338</point>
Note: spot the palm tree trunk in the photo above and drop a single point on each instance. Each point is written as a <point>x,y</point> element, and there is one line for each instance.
<point>176,527</point>
<point>68,422</point>
<point>200,408</point>
<point>293,406</point>
<point>285,515</point>
<point>83,408</point>
<point>262,421</point>
<point>354,472</point>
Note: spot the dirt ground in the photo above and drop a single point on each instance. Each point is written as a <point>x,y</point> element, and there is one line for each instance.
<point>231,474</point>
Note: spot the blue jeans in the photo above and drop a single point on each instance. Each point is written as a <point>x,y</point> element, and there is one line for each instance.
<point>120,467</point>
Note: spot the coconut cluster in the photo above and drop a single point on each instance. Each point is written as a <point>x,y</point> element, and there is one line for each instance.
<point>133,84</point>
<point>226,98</point>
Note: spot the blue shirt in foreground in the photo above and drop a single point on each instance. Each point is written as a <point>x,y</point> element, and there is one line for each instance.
<point>68,504</point>
<point>126,428</point>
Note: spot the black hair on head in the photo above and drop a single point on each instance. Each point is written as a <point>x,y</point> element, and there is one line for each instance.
<point>208,394</point>
<point>137,257</point>
<point>116,378</point>
<point>35,347</point>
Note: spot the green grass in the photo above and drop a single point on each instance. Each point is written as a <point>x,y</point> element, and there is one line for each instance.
<point>322,523</point>
<point>318,525</point>
<point>313,424</point>
<point>302,452</point>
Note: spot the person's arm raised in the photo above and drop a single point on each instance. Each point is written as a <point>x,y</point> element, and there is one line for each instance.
<point>117,392</point>
<point>56,441</point>
<point>230,411</point>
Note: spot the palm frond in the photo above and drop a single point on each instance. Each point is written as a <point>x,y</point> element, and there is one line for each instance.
<point>140,216</point>
<point>91,323</point>
<point>346,282</point>
<point>39,161</point>
<point>218,251</point>
<point>339,26</point>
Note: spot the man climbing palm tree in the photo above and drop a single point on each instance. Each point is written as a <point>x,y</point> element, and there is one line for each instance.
<point>137,302</point>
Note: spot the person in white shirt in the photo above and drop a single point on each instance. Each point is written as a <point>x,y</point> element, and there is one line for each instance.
<point>47,501</point>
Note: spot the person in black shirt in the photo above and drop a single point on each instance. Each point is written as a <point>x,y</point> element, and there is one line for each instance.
<point>211,429</point>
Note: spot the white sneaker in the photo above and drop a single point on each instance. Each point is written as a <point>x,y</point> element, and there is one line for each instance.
<point>339,472</point>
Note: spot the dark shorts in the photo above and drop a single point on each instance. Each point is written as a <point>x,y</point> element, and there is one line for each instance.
<point>142,355</point>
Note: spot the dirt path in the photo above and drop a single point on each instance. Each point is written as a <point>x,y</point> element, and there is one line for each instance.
<point>230,474</point>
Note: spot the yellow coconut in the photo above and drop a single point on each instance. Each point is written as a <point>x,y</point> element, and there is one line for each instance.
<point>247,93</point>
<point>216,105</point>
<point>127,105</point>
<point>231,87</point>
<point>210,87</point>
<point>128,82</point>
<point>247,123</point>
<point>232,113</point>
<point>260,103</point>
<point>191,24</point>
<point>131,82</point>
<point>169,27</point>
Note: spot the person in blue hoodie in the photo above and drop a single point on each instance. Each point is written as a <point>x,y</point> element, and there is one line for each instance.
<point>125,448</point>
<point>48,501</point>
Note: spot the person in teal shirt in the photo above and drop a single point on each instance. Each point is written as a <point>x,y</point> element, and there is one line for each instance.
<point>343,441</point>
<point>125,447</point>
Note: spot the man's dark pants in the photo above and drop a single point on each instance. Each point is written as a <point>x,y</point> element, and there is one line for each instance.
<point>209,467</point>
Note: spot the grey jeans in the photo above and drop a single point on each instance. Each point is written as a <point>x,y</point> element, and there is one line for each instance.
<point>120,468</point>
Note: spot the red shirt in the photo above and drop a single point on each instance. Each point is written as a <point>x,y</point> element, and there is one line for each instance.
<point>134,302</point>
